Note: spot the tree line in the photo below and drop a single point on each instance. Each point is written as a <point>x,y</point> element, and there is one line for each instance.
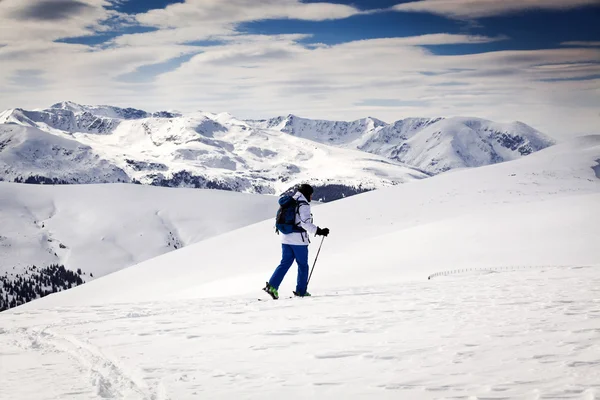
<point>35,283</point>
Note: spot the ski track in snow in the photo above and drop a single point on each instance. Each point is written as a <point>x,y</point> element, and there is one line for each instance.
<point>107,379</point>
<point>521,334</point>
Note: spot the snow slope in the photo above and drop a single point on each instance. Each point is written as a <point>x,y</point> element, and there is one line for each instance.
<point>29,154</point>
<point>541,210</point>
<point>104,228</point>
<point>526,328</point>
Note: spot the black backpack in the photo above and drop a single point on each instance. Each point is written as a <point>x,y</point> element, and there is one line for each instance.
<point>285,220</point>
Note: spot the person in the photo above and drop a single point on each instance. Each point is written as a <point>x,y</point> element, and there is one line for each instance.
<point>294,245</point>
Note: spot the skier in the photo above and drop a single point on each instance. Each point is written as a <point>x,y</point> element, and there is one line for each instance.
<point>294,245</point>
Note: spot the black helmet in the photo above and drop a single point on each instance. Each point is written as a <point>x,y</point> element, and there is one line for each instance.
<point>306,190</point>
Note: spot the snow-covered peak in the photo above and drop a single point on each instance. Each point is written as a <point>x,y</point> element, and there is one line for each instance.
<point>440,144</point>
<point>61,120</point>
<point>101,111</point>
<point>432,144</point>
<point>460,142</point>
<point>208,150</point>
<point>205,150</point>
<point>14,116</point>
<point>227,119</point>
<point>324,131</point>
<point>166,114</point>
<point>69,105</point>
<point>30,155</point>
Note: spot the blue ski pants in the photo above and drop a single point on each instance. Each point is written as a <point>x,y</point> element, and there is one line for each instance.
<point>289,254</point>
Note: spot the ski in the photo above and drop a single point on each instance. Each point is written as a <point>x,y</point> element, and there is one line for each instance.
<point>273,295</point>
<point>281,298</point>
<point>299,295</point>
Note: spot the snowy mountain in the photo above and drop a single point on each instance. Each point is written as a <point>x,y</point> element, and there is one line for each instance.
<point>330,132</point>
<point>30,155</point>
<point>433,145</point>
<point>510,309</point>
<point>205,150</point>
<point>69,117</point>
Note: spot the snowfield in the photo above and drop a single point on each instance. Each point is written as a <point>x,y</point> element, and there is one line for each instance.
<point>518,315</point>
<point>527,334</point>
<point>104,228</point>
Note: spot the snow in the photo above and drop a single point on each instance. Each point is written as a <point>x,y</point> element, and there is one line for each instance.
<point>104,228</point>
<point>434,145</point>
<point>27,152</point>
<point>207,150</point>
<point>101,111</point>
<point>222,151</point>
<point>439,145</point>
<point>228,150</point>
<point>518,334</point>
<point>539,210</point>
<point>188,323</point>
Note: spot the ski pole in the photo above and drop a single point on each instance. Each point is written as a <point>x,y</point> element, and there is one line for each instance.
<point>313,267</point>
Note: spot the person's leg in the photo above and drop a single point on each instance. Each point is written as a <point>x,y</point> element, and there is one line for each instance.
<point>301,254</point>
<point>287,259</point>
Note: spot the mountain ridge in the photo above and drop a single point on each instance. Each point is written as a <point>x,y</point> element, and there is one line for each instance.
<point>206,150</point>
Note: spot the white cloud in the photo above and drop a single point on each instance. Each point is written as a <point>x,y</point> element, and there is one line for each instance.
<point>197,12</point>
<point>175,35</point>
<point>333,82</point>
<point>438,39</point>
<point>255,76</point>
<point>581,44</point>
<point>467,9</point>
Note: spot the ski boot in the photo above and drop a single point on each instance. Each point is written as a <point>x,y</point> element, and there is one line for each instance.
<point>271,291</point>
<point>305,294</point>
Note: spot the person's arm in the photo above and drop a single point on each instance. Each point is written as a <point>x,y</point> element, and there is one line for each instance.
<point>306,219</point>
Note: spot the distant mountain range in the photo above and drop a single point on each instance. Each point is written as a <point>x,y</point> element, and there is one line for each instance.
<point>73,143</point>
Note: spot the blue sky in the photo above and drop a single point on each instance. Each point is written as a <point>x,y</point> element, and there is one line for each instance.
<point>532,60</point>
<point>524,30</point>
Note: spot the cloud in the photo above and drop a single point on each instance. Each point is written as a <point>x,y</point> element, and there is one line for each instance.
<point>197,12</point>
<point>29,78</point>
<point>183,35</point>
<point>197,20</point>
<point>147,73</point>
<point>445,38</point>
<point>581,44</point>
<point>255,76</point>
<point>27,21</point>
<point>52,10</point>
<point>471,9</point>
<point>339,82</point>
<point>392,103</point>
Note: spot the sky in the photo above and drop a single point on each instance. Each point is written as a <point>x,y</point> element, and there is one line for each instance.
<point>536,61</point>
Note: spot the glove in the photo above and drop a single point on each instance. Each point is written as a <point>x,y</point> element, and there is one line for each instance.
<point>322,232</point>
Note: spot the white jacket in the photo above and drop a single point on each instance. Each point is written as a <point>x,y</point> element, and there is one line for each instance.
<point>304,220</point>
